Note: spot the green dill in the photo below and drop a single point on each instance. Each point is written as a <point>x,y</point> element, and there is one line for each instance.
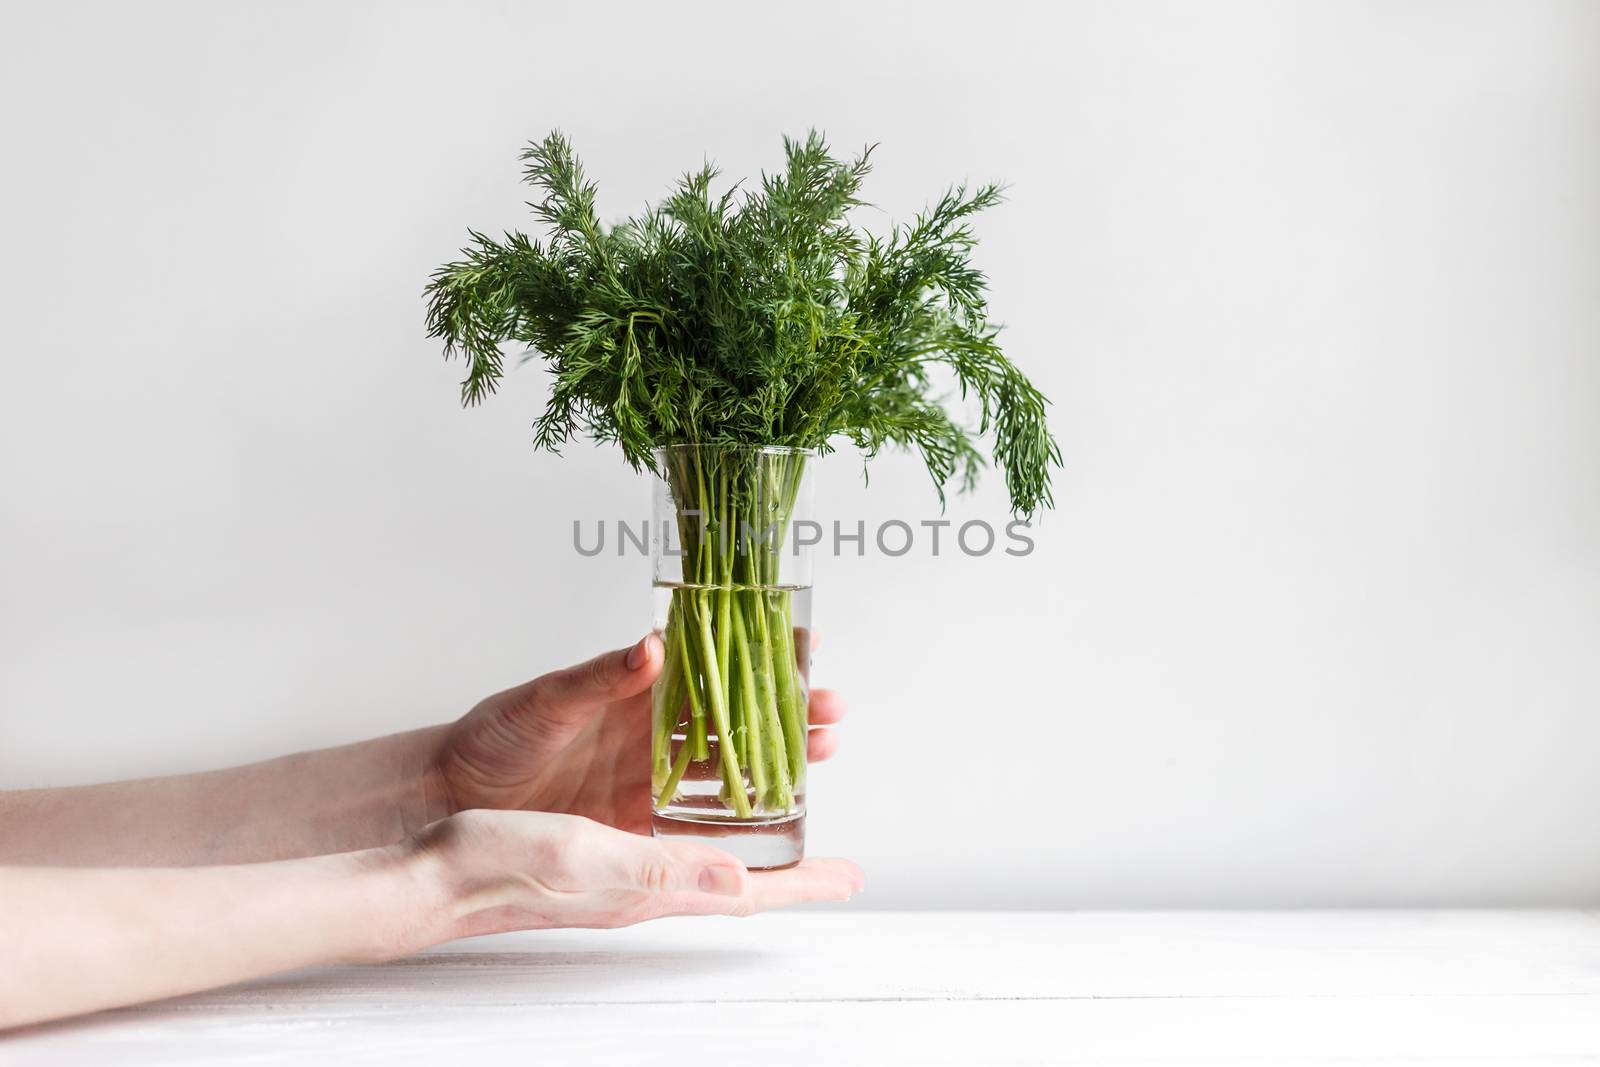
<point>757,316</point>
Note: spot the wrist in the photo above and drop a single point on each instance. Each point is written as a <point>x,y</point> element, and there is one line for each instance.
<point>425,798</point>
<point>404,892</point>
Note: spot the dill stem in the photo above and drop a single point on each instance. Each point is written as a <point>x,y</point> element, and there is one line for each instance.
<point>782,795</point>
<point>667,699</point>
<point>731,777</point>
<point>695,739</point>
<point>756,759</point>
<point>679,766</point>
<point>792,704</point>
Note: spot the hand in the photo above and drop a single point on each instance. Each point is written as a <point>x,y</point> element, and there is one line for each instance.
<point>576,741</point>
<point>84,938</point>
<point>504,870</point>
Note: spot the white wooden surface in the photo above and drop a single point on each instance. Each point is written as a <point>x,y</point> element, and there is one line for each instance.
<point>848,987</point>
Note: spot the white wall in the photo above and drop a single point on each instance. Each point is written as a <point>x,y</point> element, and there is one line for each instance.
<point>1315,289</point>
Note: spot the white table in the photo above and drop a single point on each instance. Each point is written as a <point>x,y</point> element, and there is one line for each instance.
<point>849,986</point>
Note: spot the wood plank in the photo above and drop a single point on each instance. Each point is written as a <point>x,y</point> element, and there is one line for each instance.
<point>991,987</point>
<point>1231,1030</point>
<point>842,956</point>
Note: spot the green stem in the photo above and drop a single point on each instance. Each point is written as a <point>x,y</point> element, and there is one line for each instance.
<point>782,795</point>
<point>731,777</point>
<point>696,737</point>
<point>738,707</point>
<point>668,698</point>
<point>723,629</point>
<point>679,766</point>
<point>756,759</point>
<point>792,705</point>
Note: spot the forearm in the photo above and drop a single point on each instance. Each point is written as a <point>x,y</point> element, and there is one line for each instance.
<point>311,803</point>
<point>79,940</point>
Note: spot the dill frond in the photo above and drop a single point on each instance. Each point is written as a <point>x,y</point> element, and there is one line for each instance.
<point>757,316</point>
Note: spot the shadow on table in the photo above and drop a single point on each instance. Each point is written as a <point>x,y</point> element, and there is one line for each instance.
<point>437,980</point>
<point>481,978</point>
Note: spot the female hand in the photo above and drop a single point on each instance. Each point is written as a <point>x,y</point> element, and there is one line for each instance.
<point>81,939</point>
<point>518,870</point>
<point>575,741</point>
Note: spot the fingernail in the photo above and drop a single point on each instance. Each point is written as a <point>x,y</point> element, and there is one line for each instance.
<point>639,653</point>
<point>724,881</point>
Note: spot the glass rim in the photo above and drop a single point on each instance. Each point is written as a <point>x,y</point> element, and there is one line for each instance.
<point>765,450</point>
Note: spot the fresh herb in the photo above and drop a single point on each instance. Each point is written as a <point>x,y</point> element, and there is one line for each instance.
<point>759,317</point>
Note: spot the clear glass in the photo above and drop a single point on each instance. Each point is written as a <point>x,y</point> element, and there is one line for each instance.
<point>731,537</point>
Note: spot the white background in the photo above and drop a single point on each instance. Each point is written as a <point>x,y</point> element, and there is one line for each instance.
<point>1315,290</point>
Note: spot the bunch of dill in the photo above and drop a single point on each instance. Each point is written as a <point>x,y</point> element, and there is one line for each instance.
<point>753,317</point>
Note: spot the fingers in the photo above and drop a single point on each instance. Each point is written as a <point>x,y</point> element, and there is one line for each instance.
<point>503,870</point>
<point>821,745</point>
<point>827,707</point>
<point>600,857</point>
<point>813,880</point>
<point>680,876</point>
<point>610,676</point>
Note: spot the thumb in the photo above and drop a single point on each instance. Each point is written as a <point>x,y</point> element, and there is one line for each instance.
<point>609,676</point>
